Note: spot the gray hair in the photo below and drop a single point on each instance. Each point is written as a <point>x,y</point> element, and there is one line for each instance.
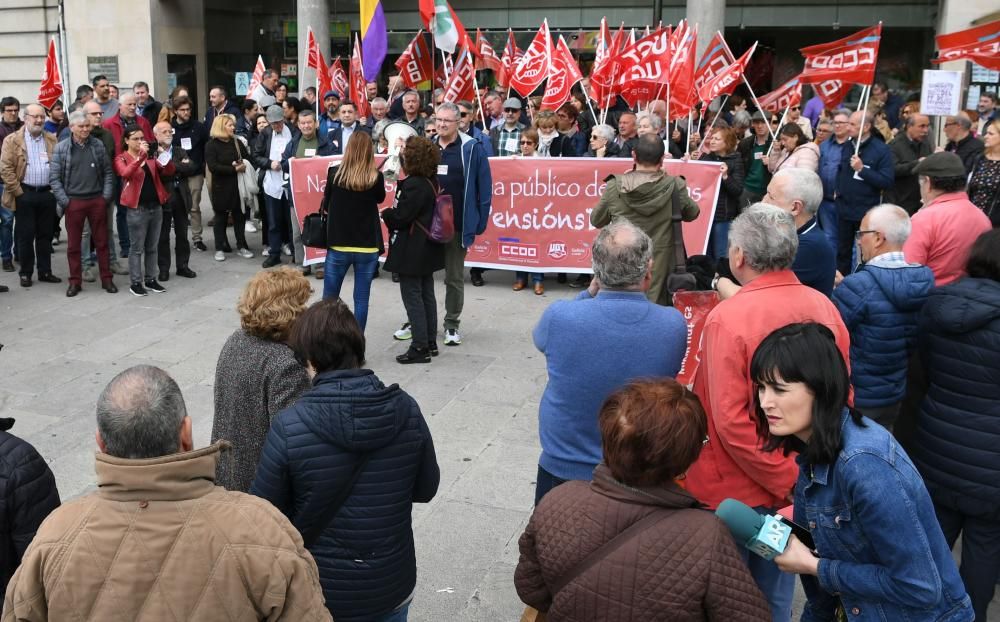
<point>380,101</point>
<point>77,117</point>
<point>962,120</point>
<point>139,414</point>
<point>605,131</point>
<point>379,128</point>
<point>653,119</point>
<point>841,111</point>
<point>621,255</point>
<point>448,106</point>
<point>804,185</point>
<point>741,118</point>
<point>890,220</point>
<point>409,92</point>
<point>766,235</point>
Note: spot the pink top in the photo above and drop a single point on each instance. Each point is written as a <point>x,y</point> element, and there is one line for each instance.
<point>943,233</point>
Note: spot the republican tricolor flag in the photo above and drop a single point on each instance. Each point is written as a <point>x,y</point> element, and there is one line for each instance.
<point>51,88</point>
<point>373,37</point>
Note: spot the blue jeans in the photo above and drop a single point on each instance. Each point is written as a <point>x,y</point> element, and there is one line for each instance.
<point>778,587</point>
<point>398,615</point>
<point>279,219</point>
<point>536,277</point>
<point>828,221</point>
<point>121,218</point>
<point>365,264</point>
<point>6,233</point>
<point>718,240</point>
<point>545,482</point>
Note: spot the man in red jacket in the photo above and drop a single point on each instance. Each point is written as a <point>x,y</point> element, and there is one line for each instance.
<point>126,116</point>
<point>762,247</point>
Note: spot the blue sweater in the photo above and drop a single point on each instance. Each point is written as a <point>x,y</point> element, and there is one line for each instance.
<point>592,347</point>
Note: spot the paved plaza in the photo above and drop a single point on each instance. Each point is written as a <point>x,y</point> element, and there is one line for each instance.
<point>480,400</point>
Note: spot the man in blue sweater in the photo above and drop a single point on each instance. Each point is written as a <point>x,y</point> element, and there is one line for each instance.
<point>880,304</point>
<point>609,335</point>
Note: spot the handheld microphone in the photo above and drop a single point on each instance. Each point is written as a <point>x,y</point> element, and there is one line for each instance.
<point>766,536</point>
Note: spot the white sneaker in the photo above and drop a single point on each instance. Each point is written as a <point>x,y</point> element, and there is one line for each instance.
<point>250,227</point>
<point>403,333</point>
<point>90,274</point>
<point>245,253</point>
<point>286,249</point>
<point>220,256</point>
<point>452,338</point>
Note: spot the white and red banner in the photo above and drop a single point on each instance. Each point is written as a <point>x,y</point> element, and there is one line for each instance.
<point>511,57</point>
<point>258,75</point>
<point>358,82</point>
<point>981,45</point>
<point>643,68</point>
<point>416,63</point>
<point>486,56</point>
<point>338,78</point>
<point>315,60</point>
<point>461,82</point>
<point>682,93</point>
<point>695,307</point>
<point>540,220</point>
<point>565,73</point>
<point>851,59</point>
<point>727,79</point>
<point>716,59</point>
<point>51,88</point>
<point>535,65</point>
<point>785,96</point>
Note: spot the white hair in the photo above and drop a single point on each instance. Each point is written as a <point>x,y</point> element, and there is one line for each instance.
<point>654,120</point>
<point>766,235</point>
<point>890,220</point>
<point>804,185</point>
<point>604,131</point>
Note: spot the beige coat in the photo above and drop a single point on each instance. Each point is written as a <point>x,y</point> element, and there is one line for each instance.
<point>159,541</point>
<point>14,163</point>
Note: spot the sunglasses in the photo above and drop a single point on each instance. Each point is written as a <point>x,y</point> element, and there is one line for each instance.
<point>796,108</point>
<point>512,110</point>
<point>527,142</point>
<point>465,114</point>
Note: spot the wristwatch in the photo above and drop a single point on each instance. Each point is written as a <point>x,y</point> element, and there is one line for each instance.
<point>715,282</point>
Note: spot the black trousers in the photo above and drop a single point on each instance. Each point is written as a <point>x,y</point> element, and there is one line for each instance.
<point>222,220</point>
<point>845,244</point>
<point>174,211</point>
<point>980,533</point>
<point>421,308</point>
<point>36,223</point>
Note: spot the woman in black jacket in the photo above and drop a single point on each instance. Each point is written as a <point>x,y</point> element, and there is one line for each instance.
<point>345,463</point>
<point>353,230</point>
<point>722,148</point>
<point>224,157</point>
<point>412,254</point>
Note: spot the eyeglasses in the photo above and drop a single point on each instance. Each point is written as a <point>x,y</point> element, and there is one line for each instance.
<point>950,123</point>
<point>440,120</point>
<point>527,142</point>
<point>512,110</point>
<point>840,122</point>
<point>858,234</point>
<point>465,114</point>
<point>795,108</point>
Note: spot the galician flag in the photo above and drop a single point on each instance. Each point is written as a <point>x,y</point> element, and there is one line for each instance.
<point>444,25</point>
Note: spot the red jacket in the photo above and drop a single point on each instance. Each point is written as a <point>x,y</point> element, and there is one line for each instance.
<point>117,129</point>
<point>133,174</point>
<point>943,233</point>
<point>731,464</point>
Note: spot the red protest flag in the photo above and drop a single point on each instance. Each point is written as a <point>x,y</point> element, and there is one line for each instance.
<point>682,93</point>
<point>716,59</point>
<point>338,78</point>
<point>51,88</point>
<point>441,30</point>
<point>563,75</point>
<point>258,75</point>
<point>851,59</point>
<point>727,79</point>
<point>509,60</point>
<point>315,60</point>
<point>358,95</point>
<point>785,96</point>
<point>981,45</point>
<point>488,58</point>
<point>832,92</point>
<point>534,65</point>
<point>416,63</point>
<point>603,43</point>
<point>644,68</point>
<point>461,82</point>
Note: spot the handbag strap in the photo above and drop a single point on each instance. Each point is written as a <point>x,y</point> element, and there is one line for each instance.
<point>680,253</point>
<point>309,538</point>
<point>607,549</point>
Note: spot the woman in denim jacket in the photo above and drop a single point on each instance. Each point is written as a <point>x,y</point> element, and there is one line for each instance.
<point>880,554</point>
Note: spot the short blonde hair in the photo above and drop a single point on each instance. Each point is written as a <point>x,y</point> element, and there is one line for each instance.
<point>219,126</point>
<point>272,301</point>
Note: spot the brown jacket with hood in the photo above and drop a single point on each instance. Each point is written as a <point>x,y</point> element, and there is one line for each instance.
<point>160,541</point>
<point>683,568</point>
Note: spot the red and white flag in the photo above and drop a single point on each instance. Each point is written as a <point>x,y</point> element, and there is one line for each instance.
<point>51,88</point>
<point>981,45</point>
<point>603,43</point>
<point>511,56</point>
<point>358,95</point>
<point>338,78</point>
<point>716,59</point>
<point>727,79</point>
<point>851,59</point>
<point>416,63</point>
<point>487,57</point>
<point>785,96</point>
<point>535,64</point>
<point>461,82</point>
<point>257,77</point>
<point>682,93</point>
<point>643,68</point>
<point>564,74</point>
<point>315,60</point>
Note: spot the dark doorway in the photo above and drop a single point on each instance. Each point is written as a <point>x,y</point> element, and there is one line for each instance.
<point>183,66</point>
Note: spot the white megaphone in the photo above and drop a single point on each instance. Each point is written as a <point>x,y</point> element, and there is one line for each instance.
<point>393,133</point>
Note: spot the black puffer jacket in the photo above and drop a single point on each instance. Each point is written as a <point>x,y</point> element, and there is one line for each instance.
<point>29,495</point>
<point>959,426</point>
<point>728,205</point>
<point>366,559</point>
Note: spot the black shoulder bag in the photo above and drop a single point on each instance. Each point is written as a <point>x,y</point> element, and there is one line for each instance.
<point>309,538</point>
<point>679,278</point>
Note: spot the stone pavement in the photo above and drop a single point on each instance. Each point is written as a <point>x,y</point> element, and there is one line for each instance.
<point>480,400</point>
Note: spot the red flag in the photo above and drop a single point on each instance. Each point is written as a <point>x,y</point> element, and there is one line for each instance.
<point>416,63</point>
<point>338,78</point>
<point>785,96</point>
<point>511,55</point>
<point>427,10</point>
<point>716,59</point>
<point>727,79</point>
<point>563,75</point>
<point>461,82</point>
<point>682,93</point>
<point>643,69</point>
<point>534,65</point>
<point>851,59</point>
<point>981,45</point>
<point>258,75</point>
<point>51,88</point>
<point>603,43</point>
<point>315,60</point>
<point>358,82</point>
<point>488,58</point>
<point>832,92</point>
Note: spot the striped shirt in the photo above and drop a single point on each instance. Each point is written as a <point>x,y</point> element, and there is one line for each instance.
<point>37,173</point>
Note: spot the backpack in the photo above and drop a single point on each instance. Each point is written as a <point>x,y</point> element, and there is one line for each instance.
<point>443,220</point>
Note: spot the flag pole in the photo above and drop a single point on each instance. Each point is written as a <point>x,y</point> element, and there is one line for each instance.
<point>781,123</point>
<point>866,92</point>
<point>712,125</point>
<point>479,100</point>
<point>687,143</point>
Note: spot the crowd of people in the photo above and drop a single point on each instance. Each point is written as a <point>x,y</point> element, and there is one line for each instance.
<point>846,376</point>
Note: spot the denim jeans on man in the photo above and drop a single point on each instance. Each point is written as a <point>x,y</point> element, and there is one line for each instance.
<point>279,222</point>
<point>124,237</point>
<point>398,615</point>
<point>718,240</point>
<point>6,232</point>
<point>365,264</point>
<point>144,234</point>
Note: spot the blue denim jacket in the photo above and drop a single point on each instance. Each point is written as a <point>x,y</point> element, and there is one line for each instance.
<point>881,547</point>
